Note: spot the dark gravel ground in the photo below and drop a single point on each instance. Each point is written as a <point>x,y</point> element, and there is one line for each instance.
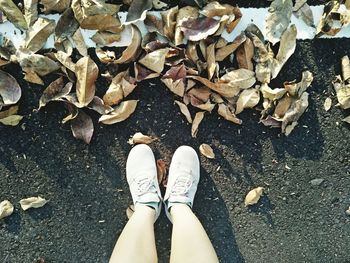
<point>294,222</point>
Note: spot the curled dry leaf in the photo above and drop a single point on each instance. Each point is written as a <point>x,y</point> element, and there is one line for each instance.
<point>327,104</point>
<point>174,79</point>
<point>38,34</point>
<point>12,120</point>
<point>245,55</point>
<point>347,119</point>
<point>343,93</point>
<point>10,111</point>
<point>13,14</point>
<point>105,38</point>
<point>272,94</point>
<point>225,112</point>
<point>248,98</point>
<point>195,124</point>
<point>10,91</point>
<point>195,29</point>
<point>169,22</point>
<point>138,138</point>
<point>137,10</point>
<point>278,19</point>
<point>99,106</point>
<point>132,50</point>
<point>79,42</point>
<point>326,24</point>
<point>207,151</point>
<point>65,60</point>
<point>55,91</point>
<point>210,52</point>
<point>155,60</point>
<point>227,50</point>
<point>32,202</point>
<point>86,72</point>
<point>120,113</point>
<point>55,5</point>
<point>182,15</point>
<point>345,68</point>
<point>184,110</point>
<point>105,56</point>
<point>6,209</point>
<point>239,78</point>
<point>32,77</point>
<point>142,73</point>
<point>82,127</point>
<point>66,24</point>
<point>157,4</point>
<point>30,11</point>
<point>253,196</point>
<point>162,172</point>
<point>302,10</point>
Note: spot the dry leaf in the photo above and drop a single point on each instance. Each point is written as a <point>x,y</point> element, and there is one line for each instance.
<point>174,79</point>
<point>82,127</point>
<point>162,172</point>
<point>207,151</point>
<point>38,34</point>
<point>132,50</point>
<point>55,91</point>
<point>182,15</point>
<point>278,19</point>
<point>253,196</point>
<point>155,60</point>
<point>12,120</point>
<point>326,24</point>
<point>327,104</point>
<point>120,113</point>
<point>79,43</point>
<point>239,78</point>
<point>227,50</point>
<point>32,77</point>
<point>225,112</point>
<point>86,72</point>
<point>157,4</point>
<point>184,110</point>
<point>6,209</point>
<point>65,60</point>
<point>105,56</point>
<point>169,22</point>
<point>302,10</point>
<point>32,202</point>
<point>99,106</point>
<point>10,91</point>
<point>142,73</point>
<point>244,55</point>
<point>105,38</point>
<point>272,94</point>
<point>137,10</point>
<point>195,29</point>
<point>195,124</point>
<point>343,93</point>
<point>66,24</point>
<point>30,11</point>
<point>55,5</point>
<point>210,52</point>
<point>10,111</point>
<point>347,119</point>
<point>13,14</point>
<point>138,138</point>
<point>248,98</point>
<point>345,68</point>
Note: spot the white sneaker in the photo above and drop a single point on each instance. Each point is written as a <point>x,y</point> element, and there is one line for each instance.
<point>141,174</point>
<point>183,178</point>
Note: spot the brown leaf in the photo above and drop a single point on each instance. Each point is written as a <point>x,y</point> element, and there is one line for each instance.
<point>13,14</point>
<point>253,196</point>
<point>12,120</point>
<point>38,34</point>
<point>195,124</point>
<point>225,51</point>
<point>137,10</point>
<point>210,52</point>
<point>155,60</point>
<point>86,72</point>
<point>162,172</point>
<point>55,91</point>
<point>120,113</point>
<point>138,138</point>
<point>174,79</point>
<point>278,19</point>
<point>105,38</point>
<point>248,98</point>
<point>183,14</point>
<point>343,93</point>
<point>32,77</point>
<point>297,89</point>
<point>132,50</point>
<point>169,22</point>
<point>272,94</point>
<point>105,56</point>
<point>195,29</point>
<point>142,73</point>
<point>65,60</point>
<point>207,151</point>
<point>225,112</point>
<point>245,55</point>
<point>347,119</point>
<point>99,106</point>
<point>82,127</point>
<point>66,24</point>
<point>73,111</point>
<point>6,209</point>
<point>130,211</point>
<point>55,5</point>
<point>157,4</point>
<point>184,110</point>
<point>214,8</point>
<point>80,43</point>
<point>32,202</point>
<point>30,11</point>
<point>10,111</point>
<point>10,91</point>
<point>282,107</point>
<point>345,68</point>
<point>240,78</point>
<point>326,24</point>
<point>304,12</point>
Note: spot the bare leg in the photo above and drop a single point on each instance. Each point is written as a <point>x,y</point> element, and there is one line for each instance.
<point>137,243</point>
<point>190,242</point>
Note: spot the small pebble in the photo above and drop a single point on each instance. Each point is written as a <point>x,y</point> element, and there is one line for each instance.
<point>316,181</point>
<point>348,211</point>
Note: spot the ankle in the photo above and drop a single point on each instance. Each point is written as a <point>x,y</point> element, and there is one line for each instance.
<point>178,208</point>
<point>145,209</point>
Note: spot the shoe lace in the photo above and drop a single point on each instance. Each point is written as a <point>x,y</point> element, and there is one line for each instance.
<point>144,184</point>
<point>182,184</point>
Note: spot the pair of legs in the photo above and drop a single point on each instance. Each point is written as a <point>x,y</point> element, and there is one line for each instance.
<point>189,243</point>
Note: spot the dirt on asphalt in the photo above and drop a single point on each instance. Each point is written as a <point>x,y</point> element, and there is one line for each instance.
<point>294,222</point>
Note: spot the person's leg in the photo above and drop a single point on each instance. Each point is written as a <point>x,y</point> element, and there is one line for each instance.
<point>137,243</point>
<point>190,243</point>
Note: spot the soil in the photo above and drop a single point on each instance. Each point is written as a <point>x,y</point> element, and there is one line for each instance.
<point>295,221</point>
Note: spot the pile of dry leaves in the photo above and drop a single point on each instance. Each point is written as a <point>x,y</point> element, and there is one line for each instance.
<point>183,47</point>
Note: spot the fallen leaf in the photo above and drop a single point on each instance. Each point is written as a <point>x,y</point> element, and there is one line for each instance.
<point>211,60</point>
<point>195,29</point>
<point>10,91</point>
<point>347,119</point>
<point>55,91</point>
<point>225,112</point>
<point>82,127</point>
<point>10,111</point>
<point>239,78</point>
<point>142,73</point>
<point>155,60</point>
<point>343,93</point>
<point>297,89</point>
<point>169,22</point>
<point>32,202</point>
<point>137,10</point>
<point>120,113</point>
<point>66,24</point>
<point>157,4</point>
<point>73,111</point>
<point>184,110</point>
<point>86,72</point>
<point>302,10</point>
<point>99,106</point>
<point>182,15</point>
<point>6,209</point>
<point>132,50</point>
<point>278,19</point>
<point>12,120</point>
<point>214,8</point>
<point>207,151</point>
<point>174,79</point>
<point>32,77</point>
<point>105,38</point>
<point>244,55</point>
<point>327,104</point>
<point>253,196</point>
<point>272,94</point>
<point>105,56</point>
<point>138,138</point>
<point>248,98</point>
<point>162,172</point>
<point>195,124</point>
<point>345,68</point>
<point>13,14</point>
<point>55,5</point>
<point>79,43</point>
<point>326,24</point>
<point>65,60</point>
<point>38,33</point>
<point>225,51</point>
<point>30,11</point>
